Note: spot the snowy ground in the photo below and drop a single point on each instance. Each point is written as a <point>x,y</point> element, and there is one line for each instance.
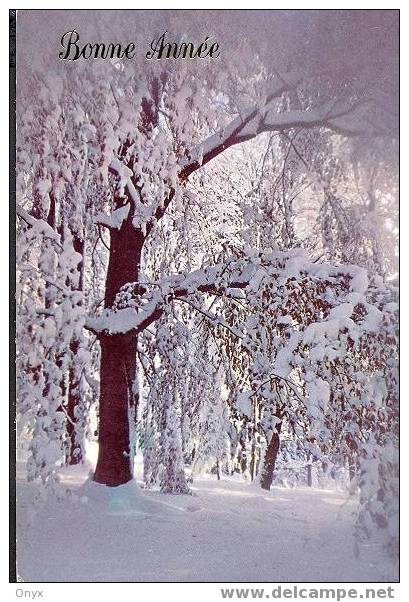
<point>226,531</point>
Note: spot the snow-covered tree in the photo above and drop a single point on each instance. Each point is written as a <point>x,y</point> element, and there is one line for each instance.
<point>163,200</point>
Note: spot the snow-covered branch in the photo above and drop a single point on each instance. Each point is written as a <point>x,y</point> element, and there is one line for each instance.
<point>41,225</point>
<point>345,117</point>
<point>125,175</point>
<point>138,306</point>
<point>115,219</point>
<point>348,120</point>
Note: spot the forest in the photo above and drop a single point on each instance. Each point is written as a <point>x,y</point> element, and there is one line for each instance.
<point>207,258</point>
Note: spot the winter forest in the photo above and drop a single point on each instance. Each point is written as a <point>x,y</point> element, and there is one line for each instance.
<point>207,297</point>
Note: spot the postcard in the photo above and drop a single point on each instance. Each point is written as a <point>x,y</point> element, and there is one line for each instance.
<point>207,297</point>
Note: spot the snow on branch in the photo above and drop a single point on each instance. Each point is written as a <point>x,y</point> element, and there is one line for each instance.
<point>143,215</point>
<point>139,305</point>
<point>343,117</point>
<point>125,174</point>
<point>40,225</point>
<point>115,219</point>
<point>347,120</point>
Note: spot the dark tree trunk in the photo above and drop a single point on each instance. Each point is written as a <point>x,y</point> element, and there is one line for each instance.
<point>309,470</point>
<point>270,459</point>
<point>75,451</point>
<point>118,400</point>
<point>74,455</point>
<point>124,260</point>
<point>118,364</point>
<point>253,460</point>
<point>243,461</point>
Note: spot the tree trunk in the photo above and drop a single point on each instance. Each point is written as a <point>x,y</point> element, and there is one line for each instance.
<point>253,460</point>
<point>270,459</point>
<point>118,400</point>
<point>118,366</point>
<point>75,451</point>
<point>74,454</point>
<point>254,447</point>
<point>309,472</point>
